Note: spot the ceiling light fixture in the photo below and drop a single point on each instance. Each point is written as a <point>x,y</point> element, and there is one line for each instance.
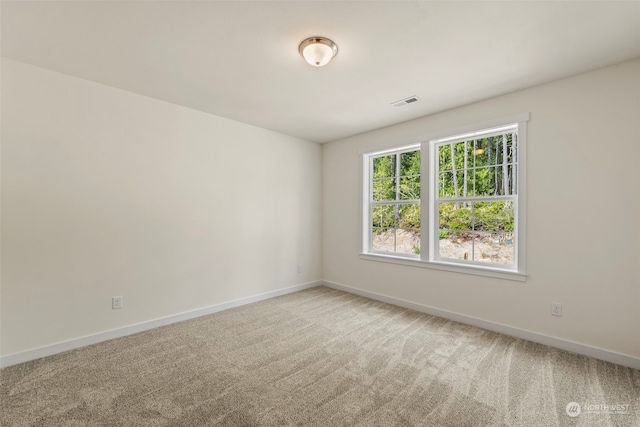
<point>318,51</point>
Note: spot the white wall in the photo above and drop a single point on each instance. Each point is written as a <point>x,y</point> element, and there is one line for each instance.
<point>105,192</point>
<point>583,214</point>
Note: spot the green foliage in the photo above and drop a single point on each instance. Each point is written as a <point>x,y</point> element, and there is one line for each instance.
<point>480,167</point>
<point>391,182</point>
<point>409,216</point>
<point>479,216</point>
<point>477,167</point>
<point>384,216</point>
<point>455,218</point>
<point>396,177</point>
<point>494,216</point>
<point>396,216</point>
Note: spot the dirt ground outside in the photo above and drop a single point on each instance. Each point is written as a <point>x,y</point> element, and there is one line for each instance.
<point>488,247</point>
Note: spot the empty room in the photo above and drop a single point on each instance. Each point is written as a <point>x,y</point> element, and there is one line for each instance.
<point>320,213</point>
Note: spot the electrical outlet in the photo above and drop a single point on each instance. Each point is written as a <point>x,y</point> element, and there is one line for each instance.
<point>556,309</point>
<point>116,302</point>
<point>299,269</point>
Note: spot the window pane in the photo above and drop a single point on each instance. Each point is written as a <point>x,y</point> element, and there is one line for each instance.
<point>458,184</point>
<point>410,188</point>
<point>458,149</point>
<point>493,216</point>
<point>513,148</point>
<point>408,241</point>
<point>495,181</point>
<point>396,228</point>
<point>512,180</point>
<point>470,149</point>
<point>455,244</point>
<point>471,183</point>
<point>455,216</point>
<point>445,185</point>
<point>384,167</point>
<point>485,179</point>
<point>384,189</point>
<point>383,239</point>
<point>502,185</point>
<point>451,184</point>
<point>444,157</point>
<point>494,151</point>
<point>383,216</point>
<point>481,155</point>
<point>494,247</point>
<point>410,163</point>
<point>401,241</point>
<point>409,216</point>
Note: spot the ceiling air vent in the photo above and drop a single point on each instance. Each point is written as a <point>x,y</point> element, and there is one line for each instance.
<point>403,102</point>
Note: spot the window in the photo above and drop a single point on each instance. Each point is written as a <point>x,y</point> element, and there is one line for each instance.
<point>454,202</point>
<point>395,202</point>
<point>476,197</point>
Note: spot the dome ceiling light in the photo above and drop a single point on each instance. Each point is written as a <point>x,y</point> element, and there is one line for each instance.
<point>318,51</point>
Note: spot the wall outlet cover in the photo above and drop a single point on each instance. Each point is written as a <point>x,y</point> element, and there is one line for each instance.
<point>116,302</point>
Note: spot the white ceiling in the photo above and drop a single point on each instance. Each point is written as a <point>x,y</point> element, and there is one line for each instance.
<point>240,60</point>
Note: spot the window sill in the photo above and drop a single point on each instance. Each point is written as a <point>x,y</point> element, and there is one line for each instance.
<point>445,266</point>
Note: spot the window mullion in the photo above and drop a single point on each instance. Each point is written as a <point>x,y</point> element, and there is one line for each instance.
<point>426,200</point>
<point>395,202</point>
<point>476,199</point>
<point>368,227</point>
<point>466,170</point>
<point>397,173</point>
<point>505,178</point>
<point>397,205</point>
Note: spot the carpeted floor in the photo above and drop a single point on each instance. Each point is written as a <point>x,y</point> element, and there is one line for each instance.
<point>318,357</point>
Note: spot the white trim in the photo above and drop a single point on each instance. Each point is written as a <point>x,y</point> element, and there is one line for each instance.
<point>586,350</point>
<point>598,353</point>
<point>366,173</point>
<point>516,118</point>
<point>48,350</point>
<point>427,188</point>
<point>521,221</point>
<point>389,148</point>
<point>465,268</point>
<point>485,133</point>
<point>429,256</point>
<point>430,169</point>
<point>426,137</point>
<point>366,188</point>
<point>395,202</point>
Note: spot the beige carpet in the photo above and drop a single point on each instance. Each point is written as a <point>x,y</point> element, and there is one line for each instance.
<point>318,357</point>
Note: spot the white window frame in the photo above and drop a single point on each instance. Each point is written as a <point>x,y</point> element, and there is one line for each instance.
<point>428,225</point>
<point>370,203</point>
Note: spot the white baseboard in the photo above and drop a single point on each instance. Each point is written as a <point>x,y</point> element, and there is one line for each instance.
<point>37,353</point>
<point>597,353</point>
